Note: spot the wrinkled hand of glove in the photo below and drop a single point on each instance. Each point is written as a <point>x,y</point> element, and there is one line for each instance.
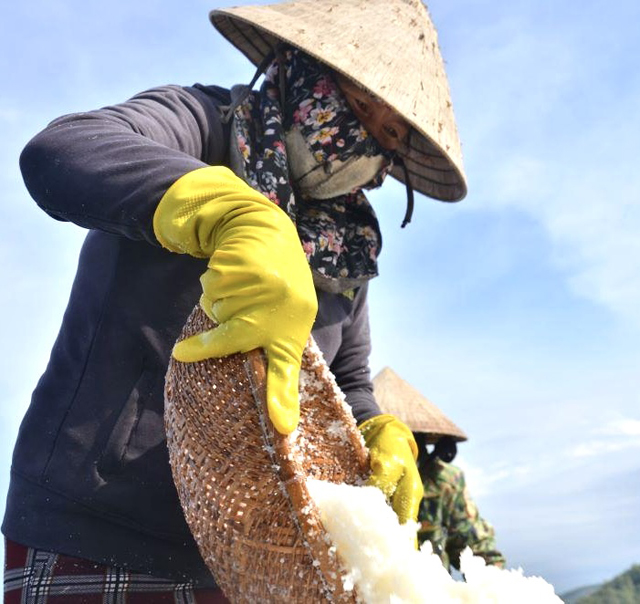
<point>258,286</point>
<point>393,452</point>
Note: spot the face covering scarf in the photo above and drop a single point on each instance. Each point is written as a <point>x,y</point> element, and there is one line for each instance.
<point>339,234</point>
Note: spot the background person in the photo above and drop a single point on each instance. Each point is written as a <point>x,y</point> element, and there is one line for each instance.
<point>449,519</point>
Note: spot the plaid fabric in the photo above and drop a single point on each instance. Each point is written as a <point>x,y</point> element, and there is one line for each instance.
<point>34,576</point>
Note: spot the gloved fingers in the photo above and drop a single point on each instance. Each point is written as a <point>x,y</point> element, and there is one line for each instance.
<point>374,426</point>
<point>265,294</point>
<point>386,472</point>
<point>406,499</point>
<point>283,365</point>
<point>227,338</point>
<point>283,373</point>
<point>386,486</point>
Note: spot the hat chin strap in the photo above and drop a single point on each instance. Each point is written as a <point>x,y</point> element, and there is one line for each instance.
<point>227,111</point>
<point>398,161</point>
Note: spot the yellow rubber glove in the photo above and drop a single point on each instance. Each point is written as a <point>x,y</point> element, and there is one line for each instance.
<point>258,286</point>
<point>393,453</point>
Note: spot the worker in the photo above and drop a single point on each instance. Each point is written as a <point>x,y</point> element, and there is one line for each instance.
<point>448,517</point>
<point>250,202</point>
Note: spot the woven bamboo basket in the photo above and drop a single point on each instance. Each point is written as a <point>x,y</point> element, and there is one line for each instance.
<point>242,484</point>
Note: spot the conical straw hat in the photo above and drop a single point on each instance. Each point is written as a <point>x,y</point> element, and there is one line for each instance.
<point>397,397</point>
<point>390,48</point>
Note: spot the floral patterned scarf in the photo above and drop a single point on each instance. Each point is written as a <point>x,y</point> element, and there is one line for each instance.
<point>340,236</point>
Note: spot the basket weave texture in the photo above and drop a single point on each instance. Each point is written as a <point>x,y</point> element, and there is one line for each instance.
<point>242,484</point>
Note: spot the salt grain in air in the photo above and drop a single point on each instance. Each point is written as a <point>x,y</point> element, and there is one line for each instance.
<point>385,568</point>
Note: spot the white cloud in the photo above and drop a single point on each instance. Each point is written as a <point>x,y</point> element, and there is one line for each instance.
<point>548,131</point>
<point>624,427</point>
<point>602,447</point>
<point>616,435</point>
<point>482,481</point>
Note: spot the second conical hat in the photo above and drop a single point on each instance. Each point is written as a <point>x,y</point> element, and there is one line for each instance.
<point>397,397</point>
<point>388,47</point>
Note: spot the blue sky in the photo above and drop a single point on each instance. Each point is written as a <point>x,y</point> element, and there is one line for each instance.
<point>517,311</point>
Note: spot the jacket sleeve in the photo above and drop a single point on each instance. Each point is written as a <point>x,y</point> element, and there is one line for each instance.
<point>107,169</point>
<point>351,364</point>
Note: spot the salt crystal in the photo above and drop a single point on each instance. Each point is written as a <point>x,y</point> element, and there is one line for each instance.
<point>336,429</point>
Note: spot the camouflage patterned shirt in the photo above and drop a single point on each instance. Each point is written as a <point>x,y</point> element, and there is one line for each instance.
<point>450,519</point>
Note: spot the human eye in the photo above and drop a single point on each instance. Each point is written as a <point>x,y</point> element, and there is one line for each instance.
<point>363,106</point>
<point>392,132</point>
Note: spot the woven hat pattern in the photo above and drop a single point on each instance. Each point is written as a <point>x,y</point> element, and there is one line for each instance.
<point>242,484</point>
<point>395,396</point>
<point>390,48</point>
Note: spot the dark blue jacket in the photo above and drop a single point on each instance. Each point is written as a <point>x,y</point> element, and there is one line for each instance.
<point>90,474</point>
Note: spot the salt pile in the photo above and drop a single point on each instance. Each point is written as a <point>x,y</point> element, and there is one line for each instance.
<point>385,567</point>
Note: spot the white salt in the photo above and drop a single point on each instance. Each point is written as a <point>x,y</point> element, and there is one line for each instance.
<point>337,430</point>
<point>384,566</point>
